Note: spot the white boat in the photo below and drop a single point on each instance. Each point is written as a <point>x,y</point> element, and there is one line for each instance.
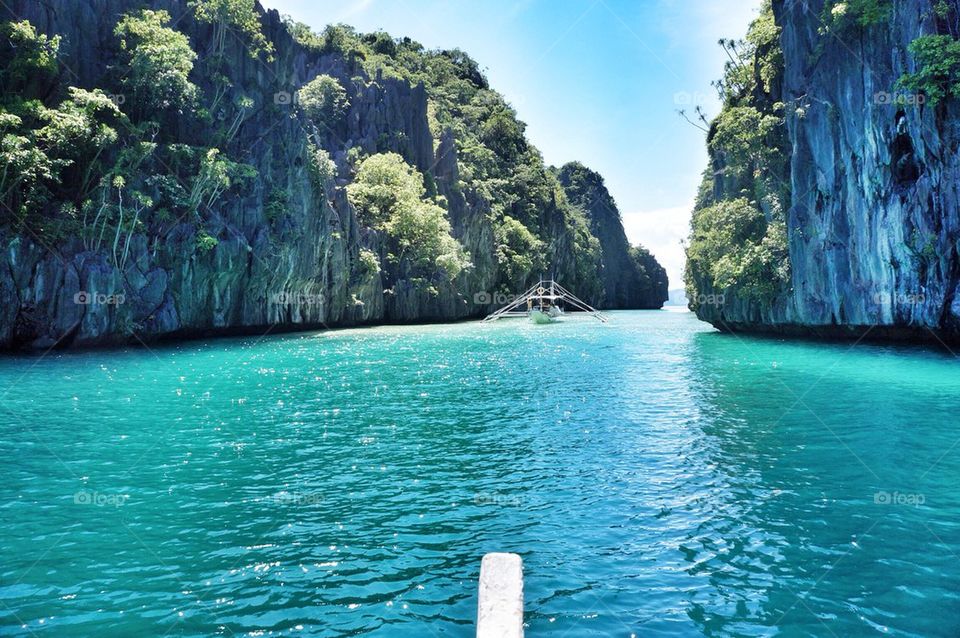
<point>544,303</point>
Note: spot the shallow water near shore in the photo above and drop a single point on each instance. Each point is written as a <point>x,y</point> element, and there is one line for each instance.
<point>658,478</point>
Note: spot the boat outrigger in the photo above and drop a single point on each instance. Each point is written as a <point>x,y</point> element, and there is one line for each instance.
<point>544,303</point>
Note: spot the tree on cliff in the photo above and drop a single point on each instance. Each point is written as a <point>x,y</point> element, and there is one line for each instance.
<point>390,196</point>
<point>238,16</point>
<point>158,62</point>
<point>324,100</point>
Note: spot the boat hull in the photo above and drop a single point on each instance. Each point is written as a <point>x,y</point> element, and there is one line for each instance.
<point>540,317</point>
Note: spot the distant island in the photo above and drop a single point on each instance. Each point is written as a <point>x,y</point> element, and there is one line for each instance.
<point>677,297</point>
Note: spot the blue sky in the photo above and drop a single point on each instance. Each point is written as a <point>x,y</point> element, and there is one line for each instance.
<point>597,81</point>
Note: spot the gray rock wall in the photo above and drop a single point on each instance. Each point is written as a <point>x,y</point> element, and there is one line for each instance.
<point>296,271</point>
<point>874,220</point>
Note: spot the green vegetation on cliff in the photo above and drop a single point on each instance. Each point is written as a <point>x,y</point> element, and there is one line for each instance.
<point>840,17</point>
<point>220,172</point>
<point>496,162</point>
<point>323,100</point>
<point>868,90</point>
<point>81,165</point>
<point>237,16</point>
<point>938,67</point>
<point>158,61</point>
<point>390,196</point>
<point>738,239</point>
<point>107,140</point>
<point>100,164</point>
<point>937,57</point>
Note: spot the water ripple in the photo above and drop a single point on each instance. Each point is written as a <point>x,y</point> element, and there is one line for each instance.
<point>659,479</point>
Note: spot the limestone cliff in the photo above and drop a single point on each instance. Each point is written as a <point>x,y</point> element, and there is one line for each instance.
<point>869,184</point>
<point>280,246</point>
<point>631,277</point>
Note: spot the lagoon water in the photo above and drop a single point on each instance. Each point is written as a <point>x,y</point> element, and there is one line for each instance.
<point>658,478</point>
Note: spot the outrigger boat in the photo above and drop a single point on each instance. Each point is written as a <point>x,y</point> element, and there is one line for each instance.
<point>544,303</point>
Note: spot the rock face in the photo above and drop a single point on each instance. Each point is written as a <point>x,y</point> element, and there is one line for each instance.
<point>631,277</point>
<point>874,217</point>
<point>297,268</point>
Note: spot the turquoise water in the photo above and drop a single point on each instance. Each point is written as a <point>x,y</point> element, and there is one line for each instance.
<point>658,478</point>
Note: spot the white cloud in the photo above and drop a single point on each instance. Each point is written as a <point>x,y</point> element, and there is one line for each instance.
<point>660,231</point>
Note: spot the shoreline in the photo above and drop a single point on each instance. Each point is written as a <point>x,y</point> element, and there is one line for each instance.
<point>213,334</point>
<point>897,336</point>
<point>851,334</point>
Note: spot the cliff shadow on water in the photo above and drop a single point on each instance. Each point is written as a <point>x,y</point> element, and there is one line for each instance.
<point>178,169</point>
